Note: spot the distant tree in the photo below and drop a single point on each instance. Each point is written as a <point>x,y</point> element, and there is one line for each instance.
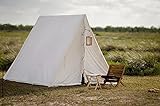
<point>153,29</point>
<point>108,29</point>
<point>9,27</point>
<point>159,29</point>
<point>20,27</point>
<point>98,29</point>
<point>128,29</point>
<point>28,27</point>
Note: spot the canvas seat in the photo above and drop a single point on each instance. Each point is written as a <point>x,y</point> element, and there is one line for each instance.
<point>94,80</point>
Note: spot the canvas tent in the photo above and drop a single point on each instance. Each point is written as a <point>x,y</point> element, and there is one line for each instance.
<point>55,53</point>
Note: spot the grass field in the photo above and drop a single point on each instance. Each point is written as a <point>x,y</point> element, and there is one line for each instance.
<point>138,43</point>
<point>139,51</point>
<point>134,93</point>
<point>11,42</point>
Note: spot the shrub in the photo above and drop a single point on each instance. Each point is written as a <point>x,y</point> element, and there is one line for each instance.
<point>135,67</point>
<point>148,71</point>
<point>150,61</point>
<point>156,70</point>
<point>129,70</point>
<point>109,48</point>
<point>5,63</point>
<point>143,67</point>
<point>117,59</point>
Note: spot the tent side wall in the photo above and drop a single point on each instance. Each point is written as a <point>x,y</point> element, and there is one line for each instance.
<point>71,65</point>
<point>11,72</point>
<point>45,58</point>
<point>94,62</point>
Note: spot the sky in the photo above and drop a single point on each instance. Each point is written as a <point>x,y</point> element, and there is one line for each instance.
<point>99,12</point>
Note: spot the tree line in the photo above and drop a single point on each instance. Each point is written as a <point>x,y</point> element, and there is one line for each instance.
<point>126,29</point>
<point>10,27</point>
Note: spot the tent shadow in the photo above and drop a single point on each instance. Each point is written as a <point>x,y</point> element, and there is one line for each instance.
<point>11,88</point>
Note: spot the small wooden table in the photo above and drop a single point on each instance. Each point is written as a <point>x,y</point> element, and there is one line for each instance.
<point>96,77</point>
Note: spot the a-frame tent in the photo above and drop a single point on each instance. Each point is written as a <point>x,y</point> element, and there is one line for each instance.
<point>56,53</point>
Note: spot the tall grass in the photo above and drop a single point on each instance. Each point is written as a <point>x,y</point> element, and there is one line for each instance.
<point>10,44</point>
<point>139,51</point>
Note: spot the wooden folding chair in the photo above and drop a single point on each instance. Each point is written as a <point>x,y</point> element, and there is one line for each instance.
<point>115,74</point>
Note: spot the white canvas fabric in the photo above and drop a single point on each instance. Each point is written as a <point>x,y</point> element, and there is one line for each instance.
<point>55,54</point>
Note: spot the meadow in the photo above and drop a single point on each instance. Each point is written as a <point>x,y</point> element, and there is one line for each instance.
<point>139,51</point>
<point>10,44</point>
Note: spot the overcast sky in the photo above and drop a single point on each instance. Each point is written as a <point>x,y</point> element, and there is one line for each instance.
<point>99,12</point>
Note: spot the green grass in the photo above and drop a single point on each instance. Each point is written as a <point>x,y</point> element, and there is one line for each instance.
<point>133,41</point>
<point>10,45</point>
<point>135,92</point>
<point>132,49</point>
<point>139,51</point>
<point>11,41</point>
